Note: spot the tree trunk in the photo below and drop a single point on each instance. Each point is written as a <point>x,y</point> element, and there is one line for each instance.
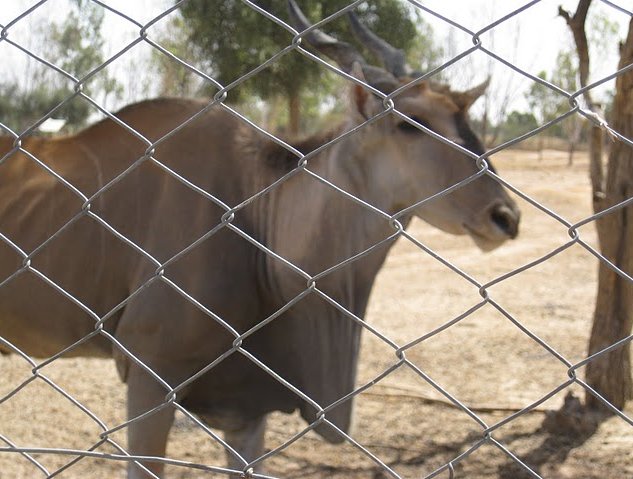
<point>576,24</point>
<point>294,113</point>
<point>271,115</point>
<point>574,139</point>
<point>610,374</point>
<point>596,168</point>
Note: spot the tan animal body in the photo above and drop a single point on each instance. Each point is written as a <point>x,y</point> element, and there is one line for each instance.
<point>140,301</point>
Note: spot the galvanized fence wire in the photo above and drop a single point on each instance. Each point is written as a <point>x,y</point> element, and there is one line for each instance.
<point>303,167</point>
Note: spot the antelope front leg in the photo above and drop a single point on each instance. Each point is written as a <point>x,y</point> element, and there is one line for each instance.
<point>248,441</point>
<point>147,437</point>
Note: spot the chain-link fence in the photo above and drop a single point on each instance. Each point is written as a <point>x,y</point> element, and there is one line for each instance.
<point>228,272</point>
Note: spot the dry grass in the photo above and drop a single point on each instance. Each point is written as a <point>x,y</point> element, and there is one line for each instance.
<point>484,360</point>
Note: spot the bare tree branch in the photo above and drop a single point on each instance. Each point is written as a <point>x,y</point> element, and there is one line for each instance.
<point>576,24</point>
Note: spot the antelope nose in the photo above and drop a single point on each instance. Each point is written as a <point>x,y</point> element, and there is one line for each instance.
<point>506,218</point>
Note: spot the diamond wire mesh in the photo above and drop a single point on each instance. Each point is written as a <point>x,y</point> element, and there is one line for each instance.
<point>312,287</point>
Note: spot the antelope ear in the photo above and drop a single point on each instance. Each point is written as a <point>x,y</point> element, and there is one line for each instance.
<point>464,100</point>
<point>360,96</point>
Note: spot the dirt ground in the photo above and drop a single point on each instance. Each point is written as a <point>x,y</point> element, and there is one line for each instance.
<point>484,360</point>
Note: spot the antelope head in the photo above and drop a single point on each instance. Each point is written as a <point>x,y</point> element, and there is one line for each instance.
<point>406,159</point>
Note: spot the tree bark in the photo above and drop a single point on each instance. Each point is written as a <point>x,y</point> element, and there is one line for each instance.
<point>610,374</point>
<point>271,116</point>
<point>294,113</point>
<point>576,24</point>
<point>574,139</point>
<point>596,169</point>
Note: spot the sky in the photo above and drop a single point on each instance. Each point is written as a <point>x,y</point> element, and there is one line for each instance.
<point>530,40</point>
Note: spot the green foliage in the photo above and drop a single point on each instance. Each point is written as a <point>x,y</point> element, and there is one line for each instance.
<point>516,124</point>
<point>547,104</point>
<point>235,39</point>
<point>75,46</point>
<point>424,54</point>
<point>543,101</point>
<point>603,36</point>
<point>77,42</point>
<point>176,80</point>
<point>565,74</point>
<point>19,110</point>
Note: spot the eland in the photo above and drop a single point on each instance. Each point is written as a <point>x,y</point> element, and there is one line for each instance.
<point>204,306</point>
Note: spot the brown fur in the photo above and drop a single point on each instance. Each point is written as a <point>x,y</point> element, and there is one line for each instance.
<point>301,220</point>
<point>277,156</point>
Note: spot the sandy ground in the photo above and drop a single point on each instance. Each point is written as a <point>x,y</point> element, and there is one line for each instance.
<point>485,361</point>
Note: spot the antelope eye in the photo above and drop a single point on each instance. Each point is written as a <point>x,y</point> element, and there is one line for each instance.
<point>409,128</point>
